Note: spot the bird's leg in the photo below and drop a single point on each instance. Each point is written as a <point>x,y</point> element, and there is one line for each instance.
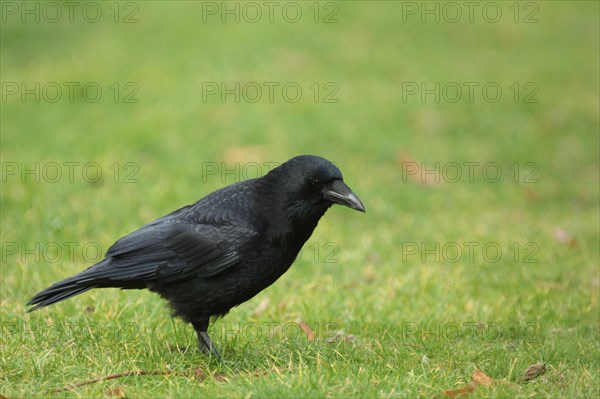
<point>204,342</point>
<point>206,345</point>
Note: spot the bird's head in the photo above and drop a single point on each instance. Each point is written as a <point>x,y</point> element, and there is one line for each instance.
<point>311,183</point>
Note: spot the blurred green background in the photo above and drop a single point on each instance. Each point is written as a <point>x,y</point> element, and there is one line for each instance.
<point>379,97</point>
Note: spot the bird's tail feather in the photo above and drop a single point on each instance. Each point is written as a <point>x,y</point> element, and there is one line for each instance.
<point>65,289</point>
<point>56,293</point>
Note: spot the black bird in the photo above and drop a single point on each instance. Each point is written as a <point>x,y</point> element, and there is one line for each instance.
<point>221,251</point>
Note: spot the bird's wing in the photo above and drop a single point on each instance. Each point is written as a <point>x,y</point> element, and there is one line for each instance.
<point>172,250</point>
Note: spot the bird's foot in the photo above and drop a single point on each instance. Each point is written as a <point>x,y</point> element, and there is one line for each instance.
<point>206,346</point>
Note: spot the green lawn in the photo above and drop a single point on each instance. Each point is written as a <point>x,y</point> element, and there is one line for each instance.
<point>473,143</point>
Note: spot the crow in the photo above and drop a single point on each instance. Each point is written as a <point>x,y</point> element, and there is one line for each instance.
<point>209,257</point>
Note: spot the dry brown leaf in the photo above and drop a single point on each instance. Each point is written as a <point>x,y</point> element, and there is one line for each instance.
<point>262,306</point>
<point>455,393</point>
<point>417,171</point>
<point>310,334</point>
<point>534,371</point>
<point>481,378</point>
<point>118,392</point>
<point>220,377</point>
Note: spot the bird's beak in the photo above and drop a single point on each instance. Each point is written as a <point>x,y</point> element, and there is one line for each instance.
<point>340,193</point>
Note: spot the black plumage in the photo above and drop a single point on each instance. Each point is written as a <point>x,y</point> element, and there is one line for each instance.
<point>221,251</point>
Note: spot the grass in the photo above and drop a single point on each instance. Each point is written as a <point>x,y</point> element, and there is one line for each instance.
<point>395,310</point>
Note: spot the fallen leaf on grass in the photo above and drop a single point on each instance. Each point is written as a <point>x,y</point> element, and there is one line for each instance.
<point>534,371</point>
<point>310,334</point>
<point>478,378</point>
<point>455,393</point>
<point>481,378</point>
